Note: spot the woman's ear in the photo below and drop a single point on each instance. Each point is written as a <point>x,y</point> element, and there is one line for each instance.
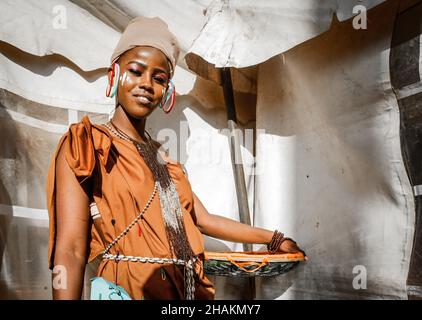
<point>113,80</point>
<point>110,74</point>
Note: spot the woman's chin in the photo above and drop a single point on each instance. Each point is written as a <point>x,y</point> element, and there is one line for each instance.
<point>140,111</point>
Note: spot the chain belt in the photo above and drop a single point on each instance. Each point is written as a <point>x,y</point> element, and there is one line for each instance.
<point>188,265</point>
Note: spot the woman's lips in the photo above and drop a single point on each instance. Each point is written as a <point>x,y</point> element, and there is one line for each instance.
<point>143,99</point>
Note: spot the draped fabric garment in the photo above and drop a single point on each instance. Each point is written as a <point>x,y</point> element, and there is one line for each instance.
<point>122,184</point>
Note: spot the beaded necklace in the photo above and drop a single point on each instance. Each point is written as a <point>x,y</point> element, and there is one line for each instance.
<point>169,198</point>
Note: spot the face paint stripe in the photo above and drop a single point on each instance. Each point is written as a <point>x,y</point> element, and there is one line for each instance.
<point>123,78</point>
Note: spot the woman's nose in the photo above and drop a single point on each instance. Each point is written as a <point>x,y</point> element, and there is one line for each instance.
<point>146,81</point>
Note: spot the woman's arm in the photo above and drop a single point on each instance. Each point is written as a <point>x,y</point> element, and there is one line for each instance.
<point>227,229</point>
<point>72,214</point>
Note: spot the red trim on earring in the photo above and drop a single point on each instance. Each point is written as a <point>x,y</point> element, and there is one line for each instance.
<point>108,90</point>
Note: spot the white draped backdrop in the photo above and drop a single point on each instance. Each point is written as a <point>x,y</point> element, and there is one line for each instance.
<point>329,171</point>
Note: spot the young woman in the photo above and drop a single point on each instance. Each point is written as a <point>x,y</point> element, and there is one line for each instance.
<point>111,193</point>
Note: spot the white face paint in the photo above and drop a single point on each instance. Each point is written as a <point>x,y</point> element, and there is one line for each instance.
<point>123,78</point>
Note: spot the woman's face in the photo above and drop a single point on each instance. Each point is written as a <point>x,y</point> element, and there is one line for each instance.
<point>144,74</point>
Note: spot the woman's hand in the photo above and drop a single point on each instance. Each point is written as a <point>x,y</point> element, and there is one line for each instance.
<point>290,246</point>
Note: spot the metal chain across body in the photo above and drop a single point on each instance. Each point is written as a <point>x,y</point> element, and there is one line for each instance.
<point>107,249</point>
<point>169,198</point>
<point>188,264</point>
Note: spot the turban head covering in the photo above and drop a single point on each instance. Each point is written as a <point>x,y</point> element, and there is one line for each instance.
<point>151,32</point>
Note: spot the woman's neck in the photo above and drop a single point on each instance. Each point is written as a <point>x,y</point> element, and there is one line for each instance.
<point>134,128</point>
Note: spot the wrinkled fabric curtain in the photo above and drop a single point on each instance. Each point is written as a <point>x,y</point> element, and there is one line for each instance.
<point>319,121</point>
<point>332,173</point>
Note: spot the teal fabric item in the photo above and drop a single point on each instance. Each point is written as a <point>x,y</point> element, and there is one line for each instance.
<point>101,289</point>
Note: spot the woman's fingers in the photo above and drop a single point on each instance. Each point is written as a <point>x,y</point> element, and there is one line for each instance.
<point>290,246</point>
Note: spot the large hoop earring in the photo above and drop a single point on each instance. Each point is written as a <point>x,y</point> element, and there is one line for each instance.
<point>169,98</point>
<point>114,81</point>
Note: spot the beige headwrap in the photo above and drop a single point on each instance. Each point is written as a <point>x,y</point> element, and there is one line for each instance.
<point>152,32</point>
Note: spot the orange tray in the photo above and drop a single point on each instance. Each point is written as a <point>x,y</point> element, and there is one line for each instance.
<point>249,264</point>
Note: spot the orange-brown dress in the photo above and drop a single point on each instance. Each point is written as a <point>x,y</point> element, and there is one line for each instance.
<point>122,184</point>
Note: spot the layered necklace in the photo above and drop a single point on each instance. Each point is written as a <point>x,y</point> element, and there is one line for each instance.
<point>169,198</point>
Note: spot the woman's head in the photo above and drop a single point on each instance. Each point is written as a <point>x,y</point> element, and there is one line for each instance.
<point>146,53</point>
<point>144,78</point>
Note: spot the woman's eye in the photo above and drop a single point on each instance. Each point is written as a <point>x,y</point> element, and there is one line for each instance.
<point>160,80</point>
<point>135,72</point>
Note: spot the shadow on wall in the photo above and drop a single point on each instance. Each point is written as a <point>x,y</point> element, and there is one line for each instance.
<point>46,65</point>
<point>206,103</point>
<point>328,92</point>
<point>24,159</point>
<point>8,155</point>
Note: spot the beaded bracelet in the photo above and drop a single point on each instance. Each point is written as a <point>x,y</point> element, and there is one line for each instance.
<point>275,242</point>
